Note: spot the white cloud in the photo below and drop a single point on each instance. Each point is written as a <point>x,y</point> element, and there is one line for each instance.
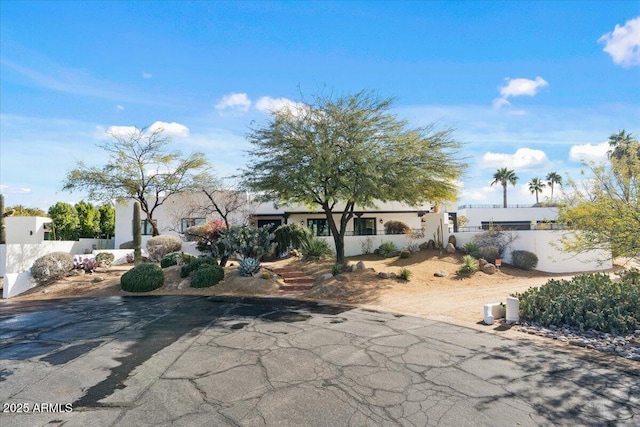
<point>146,75</point>
<point>623,43</point>
<point>120,130</point>
<point>267,104</point>
<point>523,158</point>
<point>477,194</point>
<point>235,101</point>
<point>170,129</point>
<point>519,87</point>
<point>119,107</point>
<point>15,190</point>
<point>589,152</point>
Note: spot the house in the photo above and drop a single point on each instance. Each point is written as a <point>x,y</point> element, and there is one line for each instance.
<point>513,217</point>
<point>27,229</point>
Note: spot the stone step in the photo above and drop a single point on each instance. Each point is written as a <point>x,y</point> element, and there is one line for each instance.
<point>292,274</point>
<point>295,287</point>
<point>299,280</point>
<point>284,270</point>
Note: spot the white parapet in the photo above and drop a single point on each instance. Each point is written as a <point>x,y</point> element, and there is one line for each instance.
<point>513,310</point>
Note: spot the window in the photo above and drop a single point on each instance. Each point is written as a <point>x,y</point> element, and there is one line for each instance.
<point>271,223</point>
<point>364,226</point>
<point>147,229</point>
<point>318,227</point>
<point>190,222</point>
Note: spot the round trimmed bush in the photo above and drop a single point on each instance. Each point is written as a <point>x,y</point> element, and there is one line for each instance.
<point>396,227</point>
<point>489,253</point>
<point>524,259</point>
<point>176,258</point>
<point>405,253</point>
<point>105,259</point>
<point>207,276</point>
<point>387,250</point>
<point>53,266</point>
<point>142,278</point>
<point>195,264</point>
<point>159,246</point>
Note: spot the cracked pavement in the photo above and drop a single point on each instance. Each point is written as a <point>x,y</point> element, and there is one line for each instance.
<point>190,361</point>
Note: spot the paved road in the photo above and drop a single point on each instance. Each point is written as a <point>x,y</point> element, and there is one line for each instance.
<point>195,361</point>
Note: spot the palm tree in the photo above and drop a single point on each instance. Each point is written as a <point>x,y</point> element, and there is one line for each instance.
<point>553,178</point>
<point>504,176</point>
<point>535,186</point>
<point>619,143</point>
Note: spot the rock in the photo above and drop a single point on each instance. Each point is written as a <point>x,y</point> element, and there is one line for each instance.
<point>185,283</point>
<point>351,268</point>
<point>431,244</point>
<point>98,279</point>
<point>489,268</point>
<point>482,262</point>
<point>424,246</point>
<point>326,276</point>
<point>392,275</point>
<point>451,248</point>
<point>452,240</point>
<point>441,273</point>
<point>360,265</point>
<point>341,278</point>
<point>383,275</point>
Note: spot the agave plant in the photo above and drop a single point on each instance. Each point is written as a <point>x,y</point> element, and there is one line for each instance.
<point>249,267</point>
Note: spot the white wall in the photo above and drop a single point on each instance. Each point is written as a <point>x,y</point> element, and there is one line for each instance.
<point>548,248</point>
<point>353,244</point>
<point>477,215</point>
<point>25,229</point>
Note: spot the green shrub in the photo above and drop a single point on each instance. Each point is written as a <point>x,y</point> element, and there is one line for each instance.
<point>195,264</point>
<point>588,301</point>
<point>176,258</point>
<point>396,227</point>
<point>472,249</point>
<point>290,236</point>
<point>405,253</point>
<point>207,276</point>
<point>248,242</point>
<point>524,259</point>
<point>265,275</point>
<point>387,250</point>
<point>336,269</point>
<point>248,267</point>
<point>51,267</point>
<point>469,266</point>
<point>142,278</point>
<point>315,248</point>
<point>405,274</point>
<point>631,275</point>
<point>489,253</point>
<point>104,259</point>
<point>159,246</point>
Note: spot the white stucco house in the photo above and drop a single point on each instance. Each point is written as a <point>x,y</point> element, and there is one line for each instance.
<point>27,229</point>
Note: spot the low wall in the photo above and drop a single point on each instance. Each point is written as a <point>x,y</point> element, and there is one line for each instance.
<point>547,246</point>
<point>353,244</point>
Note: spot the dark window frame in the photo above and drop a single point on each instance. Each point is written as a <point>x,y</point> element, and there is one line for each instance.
<point>319,230</point>
<point>357,228</point>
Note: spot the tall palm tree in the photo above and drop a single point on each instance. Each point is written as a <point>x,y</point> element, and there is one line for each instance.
<point>619,143</point>
<point>553,178</point>
<point>504,176</point>
<point>535,186</point>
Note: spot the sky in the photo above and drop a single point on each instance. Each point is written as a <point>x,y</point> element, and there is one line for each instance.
<point>534,86</point>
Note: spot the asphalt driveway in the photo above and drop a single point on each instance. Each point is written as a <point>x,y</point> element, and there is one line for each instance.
<point>192,361</point>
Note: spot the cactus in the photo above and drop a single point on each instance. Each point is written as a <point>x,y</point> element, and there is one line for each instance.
<point>137,234</point>
<point>249,267</point>
<point>3,238</point>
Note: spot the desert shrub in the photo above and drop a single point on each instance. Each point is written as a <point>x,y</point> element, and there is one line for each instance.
<point>195,264</point>
<point>396,227</point>
<point>176,258</point>
<point>249,267</point>
<point>248,242</point>
<point>366,245</point>
<point>207,276</point>
<point>631,275</point>
<point>587,301</point>
<point>142,278</point>
<point>87,264</point>
<point>265,275</point>
<point>469,266</point>
<point>471,248</point>
<point>489,253</point>
<point>126,245</point>
<point>105,259</point>
<point>53,266</point>
<point>159,246</point>
<point>315,248</point>
<point>290,236</point>
<point>405,253</point>
<point>207,237</point>
<point>495,238</point>
<point>336,269</point>
<point>130,257</point>
<point>413,247</point>
<point>524,259</point>
<point>405,274</point>
<point>387,250</point>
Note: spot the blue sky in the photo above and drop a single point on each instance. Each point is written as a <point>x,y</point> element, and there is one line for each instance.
<point>535,86</point>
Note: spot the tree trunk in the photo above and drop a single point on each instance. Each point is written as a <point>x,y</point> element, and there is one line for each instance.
<point>504,195</point>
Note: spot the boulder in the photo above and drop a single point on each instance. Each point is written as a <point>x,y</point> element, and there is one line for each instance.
<point>341,278</point>
<point>489,268</point>
<point>383,275</point>
<point>360,265</point>
<point>452,240</point>
<point>451,249</point>
<point>424,246</point>
<point>441,273</point>
<point>392,275</point>
<point>431,244</point>
<point>351,268</point>
<point>482,262</point>
<point>326,276</point>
